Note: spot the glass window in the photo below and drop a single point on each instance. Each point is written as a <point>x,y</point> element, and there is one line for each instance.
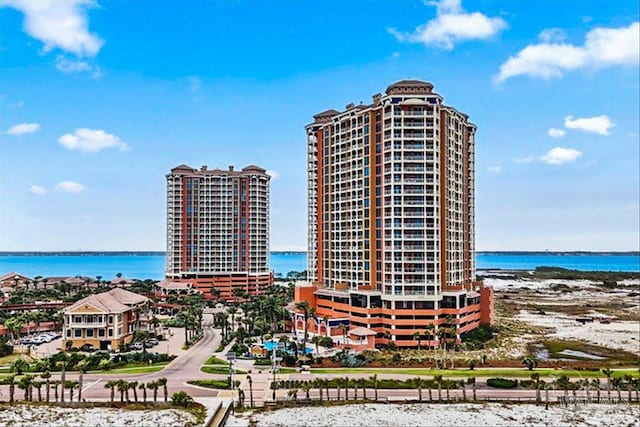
<point>77,333</point>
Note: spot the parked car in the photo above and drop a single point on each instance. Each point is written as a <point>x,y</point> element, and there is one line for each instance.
<point>147,344</point>
<point>136,346</point>
<point>153,341</point>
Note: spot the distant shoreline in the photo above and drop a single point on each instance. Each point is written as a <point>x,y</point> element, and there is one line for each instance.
<point>162,253</point>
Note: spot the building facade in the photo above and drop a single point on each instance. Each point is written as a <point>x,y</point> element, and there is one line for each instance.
<point>106,320</point>
<point>218,229</point>
<point>391,219</point>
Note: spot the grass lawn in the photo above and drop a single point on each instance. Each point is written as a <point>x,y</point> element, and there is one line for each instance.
<point>486,372</point>
<point>219,384</point>
<point>213,360</point>
<point>133,368</point>
<point>6,360</point>
<point>217,369</point>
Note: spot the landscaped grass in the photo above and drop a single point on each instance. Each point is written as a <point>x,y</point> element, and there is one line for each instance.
<point>217,369</point>
<point>133,368</point>
<point>6,360</point>
<point>213,360</point>
<point>482,372</point>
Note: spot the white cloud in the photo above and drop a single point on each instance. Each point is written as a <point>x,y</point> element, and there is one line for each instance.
<point>527,159</point>
<point>36,189</point>
<point>70,66</point>
<point>494,170</point>
<point>597,124</point>
<point>556,133</point>
<point>603,47</point>
<point>69,187</point>
<point>273,174</point>
<point>23,129</point>
<point>559,155</point>
<point>59,24</point>
<point>451,25</point>
<point>552,35</point>
<point>90,140</point>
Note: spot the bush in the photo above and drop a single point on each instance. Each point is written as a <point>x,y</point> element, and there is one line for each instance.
<point>5,348</point>
<point>262,362</point>
<point>181,398</point>
<point>213,360</point>
<point>502,383</point>
<point>220,384</point>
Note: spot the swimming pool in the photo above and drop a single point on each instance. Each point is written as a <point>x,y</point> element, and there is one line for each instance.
<point>270,345</point>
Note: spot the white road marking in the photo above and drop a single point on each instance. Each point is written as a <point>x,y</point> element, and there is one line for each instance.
<point>91,384</point>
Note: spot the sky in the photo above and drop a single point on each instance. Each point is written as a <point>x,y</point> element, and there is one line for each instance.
<point>100,99</point>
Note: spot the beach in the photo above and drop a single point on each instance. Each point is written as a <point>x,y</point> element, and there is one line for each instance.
<point>494,414</point>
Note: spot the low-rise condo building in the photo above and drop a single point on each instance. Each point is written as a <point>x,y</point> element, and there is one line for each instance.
<point>218,229</point>
<point>106,320</point>
<point>391,222</point>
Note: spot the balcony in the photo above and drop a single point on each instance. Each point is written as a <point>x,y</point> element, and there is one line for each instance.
<point>87,325</point>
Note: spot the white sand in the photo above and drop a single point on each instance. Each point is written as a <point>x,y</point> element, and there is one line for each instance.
<point>446,415</point>
<point>36,416</point>
<point>507,284</point>
<point>620,335</point>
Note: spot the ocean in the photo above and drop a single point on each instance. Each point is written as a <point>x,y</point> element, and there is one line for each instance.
<point>151,266</point>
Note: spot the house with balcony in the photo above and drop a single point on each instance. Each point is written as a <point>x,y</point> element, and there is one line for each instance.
<point>106,320</point>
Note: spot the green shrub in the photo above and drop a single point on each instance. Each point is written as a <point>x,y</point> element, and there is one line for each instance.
<point>213,360</point>
<point>502,383</point>
<point>181,398</point>
<point>220,384</point>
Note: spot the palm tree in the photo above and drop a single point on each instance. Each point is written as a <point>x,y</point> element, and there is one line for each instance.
<point>319,384</point>
<point>536,378</point>
<point>617,383</point>
<point>316,340</point>
<point>162,382</point>
<point>38,386</point>
<point>19,366</point>
<point>11,381</point>
<point>45,376</point>
<point>363,384</point>
<point>63,363</point>
<point>133,385</point>
<point>416,337</point>
<point>25,384</point>
<point>607,372</point>
<point>472,382</point>
<point>418,383</point>
<point>374,379</point>
<point>438,380</point>
<point>121,386</point>
<point>306,387</point>
<point>111,384</point>
<point>56,384</point>
<point>250,381</point>
<point>596,384</point>
<point>14,324</point>
<point>339,382</point>
<point>153,385</point>
<point>70,385</point>
<point>307,311</point>
<point>81,366</point>
<point>142,386</point>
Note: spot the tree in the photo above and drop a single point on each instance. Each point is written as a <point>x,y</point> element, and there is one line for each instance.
<point>316,339</point>
<point>46,375</point>
<point>530,362</point>
<point>162,382</point>
<point>70,385</point>
<point>121,385</point>
<point>472,382</point>
<point>14,324</point>
<point>608,373</point>
<point>438,380</point>
<point>306,387</point>
<point>374,379</point>
<point>153,385</point>
<point>418,383</point>
<point>416,337</point>
<point>38,386</point>
<point>11,381</point>
<point>81,366</point>
<point>472,364</point>
<point>307,311</point>
<point>535,377</point>
<point>142,386</point>
<point>133,385</point>
<point>19,366</point>
<point>25,383</point>
<point>250,381</point>
<point>111,384</point>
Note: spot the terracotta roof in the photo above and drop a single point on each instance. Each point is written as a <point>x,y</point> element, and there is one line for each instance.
<point>331,112</point>
<point>361,331</point>
<point>183,167</point>
<point>113,301</point>
<point>253,168</point>
<point>409,84</point>
<point>169,284</point>
<point>12,275</point>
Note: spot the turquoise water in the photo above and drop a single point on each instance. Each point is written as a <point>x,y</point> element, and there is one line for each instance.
<point>152,266</point>
<point>270,345</point>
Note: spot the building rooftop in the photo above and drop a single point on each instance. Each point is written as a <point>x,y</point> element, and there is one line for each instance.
<point>204,170</point>
<point>114,301</point>
<point>409,86</point>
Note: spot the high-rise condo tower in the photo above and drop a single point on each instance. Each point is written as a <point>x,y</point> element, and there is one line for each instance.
<point>218,229</point>
<point>391,222</point>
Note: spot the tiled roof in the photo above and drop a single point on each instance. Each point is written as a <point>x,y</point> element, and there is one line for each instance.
<point>361,331</point>
<point>12,275</point>
<point>114,301</point>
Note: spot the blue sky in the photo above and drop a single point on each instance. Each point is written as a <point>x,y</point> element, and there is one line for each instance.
<point>98,100</point>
